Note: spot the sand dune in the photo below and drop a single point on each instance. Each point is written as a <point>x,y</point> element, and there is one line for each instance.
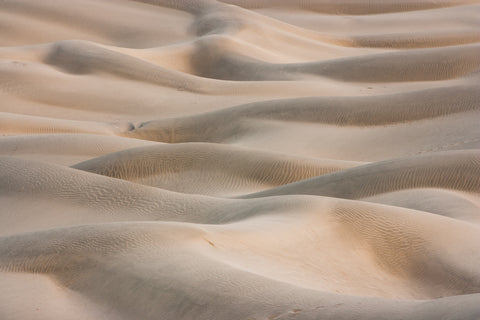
<point>66,149</point>
<point>239,159</point>
<point>360,129</point>
<point>430,64</point>
<point>457,170</point>
<point>451,203</point>
<point>209,169</point>
<point>349,8</point>
<point>341,111</point>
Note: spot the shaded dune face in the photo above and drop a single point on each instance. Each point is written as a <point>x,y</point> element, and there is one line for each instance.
<point>239,159</point>
<point>211,169</point>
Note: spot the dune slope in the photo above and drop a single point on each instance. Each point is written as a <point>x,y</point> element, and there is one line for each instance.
<point>239,159</point>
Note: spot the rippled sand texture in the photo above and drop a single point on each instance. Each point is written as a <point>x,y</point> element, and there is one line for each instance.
<point>239,159</point>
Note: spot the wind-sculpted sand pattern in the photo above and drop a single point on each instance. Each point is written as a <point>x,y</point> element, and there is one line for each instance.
<point>239,159</point>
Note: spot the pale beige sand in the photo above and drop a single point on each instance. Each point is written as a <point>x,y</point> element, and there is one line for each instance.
<point>239,159</point>
<point>209,169</point>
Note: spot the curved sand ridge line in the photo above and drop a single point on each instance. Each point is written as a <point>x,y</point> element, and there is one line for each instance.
<point>63,196</point>
<point>213,58</point>
<point>80,58</point>
<point>446,202</point>
<point>248,26</point>
<point>312,139</point>
<point>457,170</point>
<point>32,88</point>
<point>341,111</point>
<point>198,56</point>
<point>74,196</point>
<point>416,40</point>
<point>318,159</point>
<point>334,127</point>
<point>351,8</point>
<point>222,38</point>
<point>66,149</point>
<point>430,64</point>
<point>208,169</point>
<point>384,242</point>
<point>94,21</point>
<point>374,24</point>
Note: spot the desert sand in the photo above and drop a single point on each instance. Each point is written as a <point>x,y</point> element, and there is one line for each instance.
<point>239,159</point>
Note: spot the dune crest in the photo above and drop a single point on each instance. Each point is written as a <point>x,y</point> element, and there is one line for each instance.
<point>239,159</point>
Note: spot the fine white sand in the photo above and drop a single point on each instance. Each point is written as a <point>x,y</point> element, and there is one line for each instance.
<point>239,159</point>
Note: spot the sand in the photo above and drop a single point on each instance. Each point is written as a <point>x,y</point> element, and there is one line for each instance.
<point>239,159</point>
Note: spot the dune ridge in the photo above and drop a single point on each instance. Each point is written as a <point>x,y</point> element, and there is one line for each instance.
<point>239,159</point>
<point>457,170</point>
<point>183,167</point>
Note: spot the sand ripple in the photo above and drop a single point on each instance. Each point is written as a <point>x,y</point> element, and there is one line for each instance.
<point>239,159</point>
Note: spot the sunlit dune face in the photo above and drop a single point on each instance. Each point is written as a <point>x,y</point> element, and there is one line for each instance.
<point>239,159</point>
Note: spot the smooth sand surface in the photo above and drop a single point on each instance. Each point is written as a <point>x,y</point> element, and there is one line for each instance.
<point>239,159</point>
